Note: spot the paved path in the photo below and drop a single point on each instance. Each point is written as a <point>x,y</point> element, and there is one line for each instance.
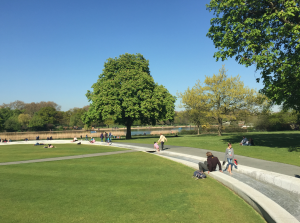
<point>66,157</point>
<point>282,168</point>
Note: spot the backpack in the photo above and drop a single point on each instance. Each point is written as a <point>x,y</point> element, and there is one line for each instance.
<point>199,175</point>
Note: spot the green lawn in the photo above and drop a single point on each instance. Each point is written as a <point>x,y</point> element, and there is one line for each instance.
<point>283,147</point>
<point>10,153</point>
<point>135,187</point>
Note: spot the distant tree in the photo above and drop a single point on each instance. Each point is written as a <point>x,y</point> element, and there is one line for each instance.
<point>76,116</point>
<point>9,118</point>
<point>125,92</point>
<point>47,114</point>
<point>33,107</point>
<point>181,118</point>
<point>12,124</point>
<point>195,103</point>
<point>24,119</point>
<point>223,96</point>
<point>6,113</point>
<point>265,34</point>
<point>19,105</point>
<point>36,123</point>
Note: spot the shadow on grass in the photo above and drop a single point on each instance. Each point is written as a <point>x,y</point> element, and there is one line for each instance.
<point>275,140</point>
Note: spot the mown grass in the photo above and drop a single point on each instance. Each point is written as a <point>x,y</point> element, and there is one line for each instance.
<point>22,152</point>
<point>136,187</point>
<point>283,147</point>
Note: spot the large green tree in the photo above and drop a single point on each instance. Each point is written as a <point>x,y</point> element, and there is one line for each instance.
<point>220,97</point>
<point>126,92</point>
<point>265,34</point>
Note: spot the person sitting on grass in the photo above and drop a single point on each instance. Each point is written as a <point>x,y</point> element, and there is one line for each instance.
<point>92,140</point>
<point>244,141</point>
<point>251,142</point>
<point>156,146</point>
<point>50,146</point>
<point>211,163</point>
<point>75,139</point>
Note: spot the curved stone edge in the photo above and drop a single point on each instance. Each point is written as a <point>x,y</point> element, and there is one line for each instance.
<point>288,183</point>
<point>267,208</point>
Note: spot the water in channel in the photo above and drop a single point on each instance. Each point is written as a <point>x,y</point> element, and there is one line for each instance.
<point>286,199</point>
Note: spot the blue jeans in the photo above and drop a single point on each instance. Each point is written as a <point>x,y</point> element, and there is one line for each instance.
<point>101,139</point>
<point>230,163</point>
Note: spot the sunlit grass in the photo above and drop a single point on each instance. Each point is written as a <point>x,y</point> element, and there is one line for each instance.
<point>136,187</point>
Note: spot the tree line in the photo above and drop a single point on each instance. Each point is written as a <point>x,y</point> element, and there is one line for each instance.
<point>41,116</point>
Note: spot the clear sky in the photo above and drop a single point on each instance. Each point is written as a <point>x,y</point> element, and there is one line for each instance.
<point>55,50</point>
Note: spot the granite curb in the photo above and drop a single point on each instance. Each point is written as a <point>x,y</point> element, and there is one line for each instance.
<point>288,183</point>
<point>267,208</point>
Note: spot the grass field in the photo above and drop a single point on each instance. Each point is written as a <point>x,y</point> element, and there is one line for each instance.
<point>283,147</point>
<point>136,187</point>
<point>10,153</point>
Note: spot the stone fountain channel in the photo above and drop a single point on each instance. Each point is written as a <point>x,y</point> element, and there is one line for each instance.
<point>286,199</point>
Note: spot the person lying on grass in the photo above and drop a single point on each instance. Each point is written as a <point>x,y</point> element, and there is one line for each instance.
<point>210,164</point>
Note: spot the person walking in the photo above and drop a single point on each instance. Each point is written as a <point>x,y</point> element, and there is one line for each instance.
<point>162,140</point>
<point>211,163</point>
<point>105,136</point>
<point>229,156</point>
<point>101,137</point>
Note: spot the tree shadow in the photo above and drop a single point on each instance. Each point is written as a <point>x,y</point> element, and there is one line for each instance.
<point>275,140</point>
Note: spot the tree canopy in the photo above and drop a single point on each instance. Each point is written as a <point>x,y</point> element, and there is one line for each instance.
<point>265,34</point>
<point>196,105</point>
<point>221,97</point>
<point>126,92</point>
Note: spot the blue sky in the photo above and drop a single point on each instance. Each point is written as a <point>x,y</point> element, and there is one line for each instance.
<point>55,50</point>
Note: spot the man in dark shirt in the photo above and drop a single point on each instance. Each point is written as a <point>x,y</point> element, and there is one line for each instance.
<point>210,164</point>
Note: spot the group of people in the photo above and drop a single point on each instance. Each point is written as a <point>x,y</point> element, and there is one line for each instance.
<point>106,136</point>
<point>5,140</point>
<point>246,142</point>
<point>161,140</point>
<point>38,138</point>
<point>212,161</point>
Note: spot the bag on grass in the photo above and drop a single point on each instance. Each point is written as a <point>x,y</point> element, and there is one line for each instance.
<point>199,175</point>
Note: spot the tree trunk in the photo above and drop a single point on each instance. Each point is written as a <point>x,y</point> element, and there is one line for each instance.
<point>220,126</point>
<point>198,129</point>
<point>128,131</point>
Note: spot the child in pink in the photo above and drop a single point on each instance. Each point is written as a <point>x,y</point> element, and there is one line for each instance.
<point>156,146</point>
